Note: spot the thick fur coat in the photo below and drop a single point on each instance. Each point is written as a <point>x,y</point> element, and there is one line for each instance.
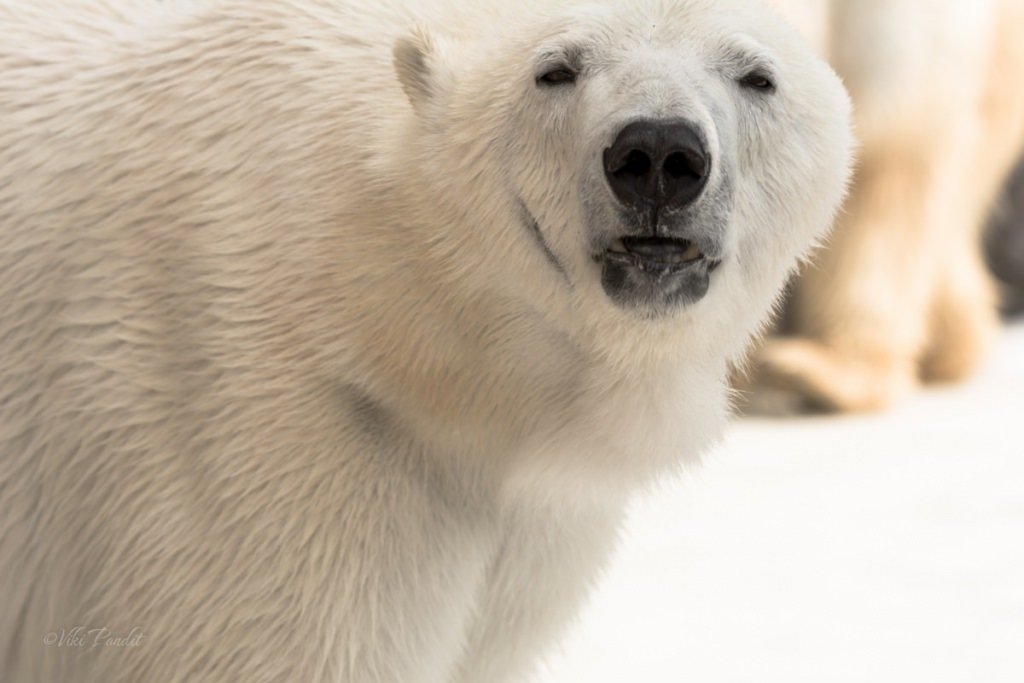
<point>308,368</point>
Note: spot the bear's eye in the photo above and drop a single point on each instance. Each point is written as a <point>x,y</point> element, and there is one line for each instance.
<point>758,81</point>
<point>562,75</point>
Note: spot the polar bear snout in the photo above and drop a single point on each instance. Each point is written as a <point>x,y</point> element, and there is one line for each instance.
<point>667,239</point>
<point>655,166</point>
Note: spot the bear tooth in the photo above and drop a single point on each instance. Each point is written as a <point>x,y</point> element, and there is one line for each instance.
<point>692,253</point>
<point>619,247</point>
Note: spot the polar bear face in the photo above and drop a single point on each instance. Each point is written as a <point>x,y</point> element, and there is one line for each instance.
<point>657,157</point>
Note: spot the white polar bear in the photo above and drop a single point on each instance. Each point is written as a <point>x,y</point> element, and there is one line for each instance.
<point>331,348</point>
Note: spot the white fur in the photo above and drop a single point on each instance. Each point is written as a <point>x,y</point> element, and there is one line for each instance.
<point>286,382</point>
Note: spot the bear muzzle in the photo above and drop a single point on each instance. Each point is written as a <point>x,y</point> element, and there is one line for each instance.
<point>671,216</point>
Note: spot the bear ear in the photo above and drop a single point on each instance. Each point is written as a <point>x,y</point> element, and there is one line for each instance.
<point>418,61</point>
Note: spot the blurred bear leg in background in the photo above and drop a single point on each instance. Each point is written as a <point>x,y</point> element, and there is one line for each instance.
<point>901,293</point>
<point>1005,244</point>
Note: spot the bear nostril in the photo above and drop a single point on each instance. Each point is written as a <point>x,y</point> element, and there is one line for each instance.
<point>636,164</point>
<point>680,165</point>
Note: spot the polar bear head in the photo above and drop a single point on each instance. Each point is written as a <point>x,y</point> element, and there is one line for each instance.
<point>654,161</point>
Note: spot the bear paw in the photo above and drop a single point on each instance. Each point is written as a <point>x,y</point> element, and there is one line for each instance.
<point>802,375</point>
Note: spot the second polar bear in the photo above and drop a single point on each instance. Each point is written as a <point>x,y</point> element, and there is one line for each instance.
<point>901,297</point>
<point>334,336</point>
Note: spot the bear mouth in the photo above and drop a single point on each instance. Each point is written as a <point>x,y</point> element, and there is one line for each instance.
<point>655,252</point>
<point>656,275</point>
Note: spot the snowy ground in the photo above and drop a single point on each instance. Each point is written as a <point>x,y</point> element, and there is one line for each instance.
<point>867,549</point>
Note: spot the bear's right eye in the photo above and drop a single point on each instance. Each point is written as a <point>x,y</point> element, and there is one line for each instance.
<point>758,81</point>
<point>562,75</point>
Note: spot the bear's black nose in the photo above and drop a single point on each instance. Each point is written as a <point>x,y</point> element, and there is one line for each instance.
<point>657,164</point>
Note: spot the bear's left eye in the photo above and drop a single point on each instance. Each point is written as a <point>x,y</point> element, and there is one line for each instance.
<point>562,75</point>
<point>758,81</point>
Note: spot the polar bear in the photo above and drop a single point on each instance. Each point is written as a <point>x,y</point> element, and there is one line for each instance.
<point>336,335</point>
<point>901,296</point>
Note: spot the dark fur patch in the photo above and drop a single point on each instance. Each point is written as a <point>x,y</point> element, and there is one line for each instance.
<point>368,414</point>
<point>534,227</point>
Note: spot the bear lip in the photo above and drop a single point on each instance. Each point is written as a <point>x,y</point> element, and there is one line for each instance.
<point>657,275</point>
<point>656,251</point>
